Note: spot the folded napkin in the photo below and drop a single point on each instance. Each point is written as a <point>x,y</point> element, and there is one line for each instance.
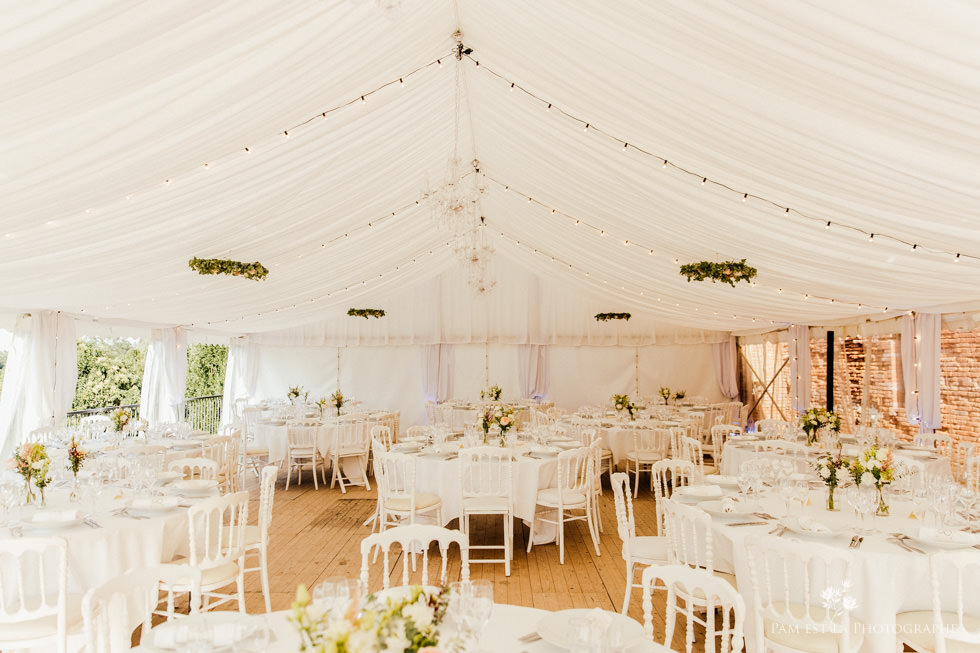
<point>701,491</point>
<point>812,525</point>
<point>927,533</point>
<point>54,516</point>
<point>154,502</point>
<point>728,504</point>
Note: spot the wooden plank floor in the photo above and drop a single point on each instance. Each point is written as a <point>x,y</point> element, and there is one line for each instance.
<point>316,534</point>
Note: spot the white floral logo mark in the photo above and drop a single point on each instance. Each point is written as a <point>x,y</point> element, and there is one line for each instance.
<point>837,601</point>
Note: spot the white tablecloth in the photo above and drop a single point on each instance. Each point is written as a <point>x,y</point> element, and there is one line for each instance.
<point>888,580</point>
<point>507,624</point>
<point>616,434</point>
<point>436,475</point>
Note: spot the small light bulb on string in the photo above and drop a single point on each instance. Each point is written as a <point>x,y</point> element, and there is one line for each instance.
<point>586,128</point>
<point>248,150</point>
<point>827,225</point>
<point>401,82</point>
<point>676,261</point>
<point>285,134</point>
<point>206,167</point>
<point>745,197</point>
<point>665,164</point>
<point>915,247</point>
<point>549,108</point>
<point>625,146</point>
<point>787,213</point>
<point>871,238</point>
<point>704,180</point>
<point>363,100</point>
<point>512,87</point>
<point>956,259</point>
<point>439,61</point>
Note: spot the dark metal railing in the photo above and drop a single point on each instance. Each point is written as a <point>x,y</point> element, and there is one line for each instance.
<point>203,413</point>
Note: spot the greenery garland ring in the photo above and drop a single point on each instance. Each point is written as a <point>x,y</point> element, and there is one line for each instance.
<point>728,272</point>
<point>254,271</point>
<point>605,317</point>
<point>366,312</point>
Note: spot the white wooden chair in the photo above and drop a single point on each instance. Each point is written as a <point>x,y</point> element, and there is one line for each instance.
<point>94,426</point>
<point>195,468</point>
<point>772,429</point>
<point>350,443</point>
<point>789,612</point>
<point>972,475</point>
<point>719,600</point>
<point>962,453</point>
<point>398,502</point>
<point>301,451</point>
<point>256,455</point>
<point>108,611</point>
<point>637,549</point>
<point>558,505</point>
<point>44,435</point>
<point>486,487</point>
<point>649,446</point>
<point>417,432</point>
<point>27,618</point>
<point>690,538</point>
<point>953,625</point>
<point>383,434</point>
<point>719,436</point>
<point>409,538</point>
<point>216,533</point>
<point>257,536</point>
<point>431,413</point>
<point>668,475</point>
<point>691,450</point>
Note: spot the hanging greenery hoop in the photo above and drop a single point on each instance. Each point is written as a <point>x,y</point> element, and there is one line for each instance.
<point>254,271</point>
<point>728,272</point>
<point>366,312</point>
<point>605,317</point>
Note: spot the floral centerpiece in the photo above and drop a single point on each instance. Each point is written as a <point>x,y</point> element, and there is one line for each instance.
<point>337,399</point>
<point>829,466</point>
<point>120,418</point>
<point>501,416</point>
<point>680,394</point>
<point>814,419</point>
<point>492,393</point>
<point>76,456</point>
<point>32,462</point>
<point>875,467</point>
<point>665,394</point>
<point>410,624</point>
<point>294,392</point>
<point>622,402</point>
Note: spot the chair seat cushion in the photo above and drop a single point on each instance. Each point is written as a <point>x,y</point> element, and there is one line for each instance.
<point>253,535</point>
<point>549,497</point>
<point>648,549</point>
<point>796,637</point>
<point>916,628</point>
<point>645,457</point>
<point>422,501</point>
<point>34,629</point>
<point>213,577</point>
<point>256,451</point>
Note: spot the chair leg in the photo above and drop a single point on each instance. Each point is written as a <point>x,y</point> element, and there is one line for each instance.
<point>289,471</point>
<point>313,463</point>
<point>593,531</point>
<point>629,586</point>
<point>636,483</point>
<point>264,571</point>
<point>364,474</point>
<point>530,534</point>
<point>241,585</point>
<point>508,542</point>
<point>561,536</point>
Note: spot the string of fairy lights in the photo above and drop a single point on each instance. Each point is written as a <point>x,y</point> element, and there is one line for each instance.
<point>587,125</point>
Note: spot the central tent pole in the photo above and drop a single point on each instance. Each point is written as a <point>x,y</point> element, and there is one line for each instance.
<point>830,369</point>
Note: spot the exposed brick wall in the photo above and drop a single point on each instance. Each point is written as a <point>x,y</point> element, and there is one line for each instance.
<point>881,358</point>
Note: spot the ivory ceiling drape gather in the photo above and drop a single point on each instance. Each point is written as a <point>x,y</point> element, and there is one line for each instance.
<point>164,377</point>
<point>533,371</point>
<point>438,365</point>
<point>39,381</point>
<point>726,363</point>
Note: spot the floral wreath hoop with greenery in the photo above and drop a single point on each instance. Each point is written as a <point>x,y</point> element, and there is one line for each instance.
<point>254,271</point>
<point>728,272</point>
<point>605,317</point>
<point>366,312</point>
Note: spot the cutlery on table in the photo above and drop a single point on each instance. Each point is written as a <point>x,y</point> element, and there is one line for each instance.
<point>856,542</point>
<point>749,523</point>
<point>779,530</point>
<point>763,515</point>
<point>908,547</point>
<point>530,637</point>
<point>91,523</point>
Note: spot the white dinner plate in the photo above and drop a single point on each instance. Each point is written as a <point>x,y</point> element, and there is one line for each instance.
<point>224,627</point>
<point>717,509</point>
<point>153,505</point>
<point>558,628</point>
<point>793,525</point>
<point>938,542</point>
<point>53,525</point>
<point>697,493</point>
<point>919,454</point>
<point>195,487</point>
<point>167,477</point>
<point>722,480</point>
<point>405,447</point>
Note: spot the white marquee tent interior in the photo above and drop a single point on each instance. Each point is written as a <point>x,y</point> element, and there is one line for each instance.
<point>832,145</point>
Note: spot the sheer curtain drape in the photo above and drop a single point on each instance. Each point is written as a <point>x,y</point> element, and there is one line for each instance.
<point>39,382</point>
<point>726,362</point>
<point>164,377</point>
<point>438,363</point>
<point>921,372</point>
<point>799,366</point>
<point>241,375</point>
<point>533,371</point>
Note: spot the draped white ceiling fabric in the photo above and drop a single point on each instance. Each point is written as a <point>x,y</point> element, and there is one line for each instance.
<point>136,135</point>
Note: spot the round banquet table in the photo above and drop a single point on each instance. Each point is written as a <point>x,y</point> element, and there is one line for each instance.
<point>737,451</point>
<point>888,578</point>
<point>614,434</point>
<point>507,624</point>
<point>438,474</point>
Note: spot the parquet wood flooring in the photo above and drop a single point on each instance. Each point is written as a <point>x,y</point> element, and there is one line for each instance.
<point>316,534</point>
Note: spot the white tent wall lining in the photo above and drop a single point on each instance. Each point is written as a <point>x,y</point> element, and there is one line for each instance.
<point>391,377</point>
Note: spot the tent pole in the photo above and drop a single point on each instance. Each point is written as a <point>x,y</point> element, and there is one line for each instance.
<point>830,369</point>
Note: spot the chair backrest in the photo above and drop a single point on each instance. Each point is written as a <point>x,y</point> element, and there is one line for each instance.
<point>267,495</point>
<point>110,610</point>
<point>771,429</point>
<point>655,441</point>
<point>791,583</point>
<point>955,574</point>
<point>972,477</point>
<point>216,448</point>
<point>395,475</point>
<point>350,438</point>
<point>721,601</point>
<point>95,425</point>
<point>250,415</point>
<point>623,498</point>
<point>575,473</point>
<point>691,450</point>
<point>217,530</point>
<point>689,538</point>
<point>486,472</point>
<point>962,453</point>
<point>301,435</point>
<point>195,468</point>
<point>431,413</point>
<point>27,563</point>
<point>417,432</point>
<point>408,537</point>
<point>943,442</point>
<point>668,475</point>
<point>44,435</point>
<point>382,433</point>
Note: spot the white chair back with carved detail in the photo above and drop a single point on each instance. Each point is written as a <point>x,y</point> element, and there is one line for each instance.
<point>668,475</point>
<point>195,468</point>
<point>27,618</point>
<point>409,538</point>
<point>110,610</point>
<point>724,632</point>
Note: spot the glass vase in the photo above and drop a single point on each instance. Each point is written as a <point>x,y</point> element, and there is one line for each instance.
<point>28,492</point>
<point>882,506</point>
<point>830,498</point>
<point>74,497</point>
